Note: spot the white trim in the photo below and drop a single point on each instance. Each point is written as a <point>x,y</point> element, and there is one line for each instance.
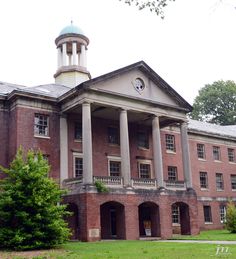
<point>148,162</point>
<point>111,159</point>
<point>76,155</point>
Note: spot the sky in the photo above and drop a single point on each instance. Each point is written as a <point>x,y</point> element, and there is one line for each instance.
<point>194,45</point>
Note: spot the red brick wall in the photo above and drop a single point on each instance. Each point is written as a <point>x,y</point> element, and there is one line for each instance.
<point>4,144</point>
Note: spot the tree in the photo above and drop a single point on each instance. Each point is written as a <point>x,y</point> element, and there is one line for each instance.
<point>154,6</point>
<point>30,214</point>
<point>216,103</point>
<point>231,217</point>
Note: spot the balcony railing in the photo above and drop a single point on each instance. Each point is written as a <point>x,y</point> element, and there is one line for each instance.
<point>175,185</point>
<point>109,180</point>
<point>143,182</point>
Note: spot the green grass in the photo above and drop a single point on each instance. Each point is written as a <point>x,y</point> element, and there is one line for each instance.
<point>210,235</point>
<point>136,249</point>
<point>143,250</point>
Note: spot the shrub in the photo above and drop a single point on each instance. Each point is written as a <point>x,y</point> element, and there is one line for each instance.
<point>231,217</point>
<point>30,214</point>
<point>101,187</point>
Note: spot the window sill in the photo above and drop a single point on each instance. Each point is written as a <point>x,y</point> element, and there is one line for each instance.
<point>41,136</point>
<point>176,224</point>
<point>113,145</point>
<point>232,163</point>
<point>202,159</point>
<point>218,161</point>
<point>205,189</point>
<point>233,190</point>
<point>143,148</point>
<point>220,190</point>
<point>78,140</point>
<point>208,223</point>
<point>170,152</point>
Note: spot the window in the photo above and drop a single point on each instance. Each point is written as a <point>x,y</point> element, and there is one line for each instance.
<point>216,153</point>
<point>201,151</point>
<point>115,168</point>
<point>113,135</point>
<point>143,139</point>
<point>231,155</point>
<point>78,166</point>
<point>170,142</point>
<point>207,214</point>
<point>144,170</point>
<point>175,214</point>
<point>222,213</point>
<point>233,181</point>
<point>219,182</point>
<point>203,180</point>
<point>78,131</point>
<point>172,173</point>
<point>41,123</point>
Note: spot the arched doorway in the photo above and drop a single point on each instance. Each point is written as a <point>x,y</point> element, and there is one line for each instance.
<point>180,218</point>
<point>149,220</point>
<point>112,220</point>
<point>73,220</point>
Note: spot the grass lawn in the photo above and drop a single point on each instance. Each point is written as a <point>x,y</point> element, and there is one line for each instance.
<point>135,249</point>
<point>210,235</point>
<point>127,250</point>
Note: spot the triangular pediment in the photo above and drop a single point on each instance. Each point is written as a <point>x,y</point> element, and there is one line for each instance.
<point>138,81</point>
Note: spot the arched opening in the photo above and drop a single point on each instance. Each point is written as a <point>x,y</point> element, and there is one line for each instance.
<point>149,220</point>
<point>73,220</point>
<point>180,218</point>
<point>112,220</point>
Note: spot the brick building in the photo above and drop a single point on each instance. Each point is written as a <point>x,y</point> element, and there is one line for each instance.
<point>127,129</point>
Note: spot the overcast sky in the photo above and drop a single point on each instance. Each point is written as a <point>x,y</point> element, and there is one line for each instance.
<point>194,45</point>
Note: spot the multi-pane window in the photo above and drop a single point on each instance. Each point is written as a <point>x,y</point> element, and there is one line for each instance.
<point>113,135</point>
<point>78,131</point>
<point>175,214</point>
<point>41,125</point>
<point>201,151</point>
<point>216,153</point>
<point>219,182</point>
<point>222,213</point>
<point>233,181</point>
<point>203,180</point>
<point>78,166</point>
<point>115,168</point>
<point>170,142</point>
<point>231,155</point>
<point>172,173</point>
<point>143,139</point>
<point>144,170</point>
<point>207,214</point>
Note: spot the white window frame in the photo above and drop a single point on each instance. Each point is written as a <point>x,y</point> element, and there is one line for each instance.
<point>113,159</point>
<point>175,212</point>
<point>219,181</point>
<point>148,162</point>
<point>76,155</point>
<point>35,126</point>
<point>222,213</point>
<point>170,150</point>
<point>201,173</point>
<point>231,155</point>
<point>201,153</point>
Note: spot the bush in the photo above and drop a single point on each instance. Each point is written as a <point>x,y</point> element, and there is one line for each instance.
<point>30,214</point>
<point>101,187</point>
<point>231,217</point>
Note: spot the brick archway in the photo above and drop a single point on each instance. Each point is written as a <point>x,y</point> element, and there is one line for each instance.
<point>73,220</point>
<point>149,219</point>
<point>180,213</point>
<point>112,218</point>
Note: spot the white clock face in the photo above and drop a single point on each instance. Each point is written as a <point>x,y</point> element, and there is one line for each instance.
<point>139,84</point>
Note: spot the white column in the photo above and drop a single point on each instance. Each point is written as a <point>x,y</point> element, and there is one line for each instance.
<point>64,54</point>
<point>185,155</point>
<point>63,149</point>
<point>83,56</point>
<point>58,57</point>
<point>124,147</point>
<point>74,50</point>
<point>157,151</point>
<point>87,144</point>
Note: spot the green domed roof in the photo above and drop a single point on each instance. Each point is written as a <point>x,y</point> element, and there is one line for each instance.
<point>71,29</point>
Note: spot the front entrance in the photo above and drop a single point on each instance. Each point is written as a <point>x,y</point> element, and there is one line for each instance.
<point>112,220</point>
<point>149,220</point>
